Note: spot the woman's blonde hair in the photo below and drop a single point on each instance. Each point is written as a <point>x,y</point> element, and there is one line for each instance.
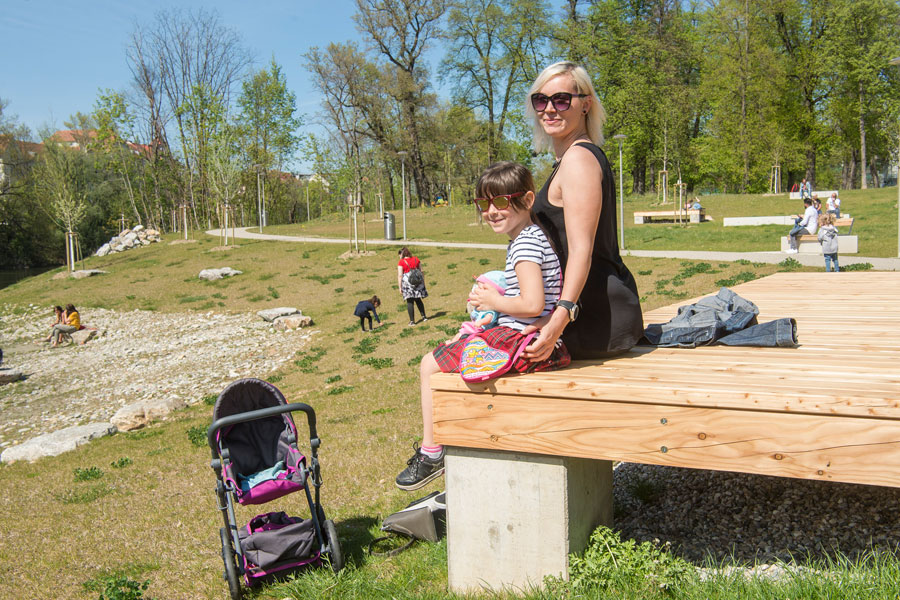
<point>593,120</point>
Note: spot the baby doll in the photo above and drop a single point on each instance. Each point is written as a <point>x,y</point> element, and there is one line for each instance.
<point>482,319</point>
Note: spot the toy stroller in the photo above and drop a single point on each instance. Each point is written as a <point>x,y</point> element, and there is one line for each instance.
<point>255,457</point>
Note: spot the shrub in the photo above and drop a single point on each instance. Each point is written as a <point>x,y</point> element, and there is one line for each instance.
<point>197,436</point>
<point>121,463</point>
<point>88,474</point>
<point>858,267</point>
<point>378,363</point>
<point>123,588</point>
<point>339,390</point>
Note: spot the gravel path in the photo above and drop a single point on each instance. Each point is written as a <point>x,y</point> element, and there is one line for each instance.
<point>140,355</point>
<point>752,517</point>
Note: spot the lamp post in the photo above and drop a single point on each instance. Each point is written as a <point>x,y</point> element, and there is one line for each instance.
<point>619,138</point>
<point>258,198</point>
<point>895,61</point>
<point>402,154</point>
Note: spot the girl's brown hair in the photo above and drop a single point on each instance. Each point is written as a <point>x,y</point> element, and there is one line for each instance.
<point>375,300</point>
<point>505,177</point>
<point>404,252</point>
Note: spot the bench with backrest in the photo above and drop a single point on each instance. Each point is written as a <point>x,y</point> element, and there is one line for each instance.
<point>529,457</point>
<point>809,244</point>
<point>694,215</point>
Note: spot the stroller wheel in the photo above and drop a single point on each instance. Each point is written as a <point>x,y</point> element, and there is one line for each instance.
<point>231,572</point>
<point>334,546</point>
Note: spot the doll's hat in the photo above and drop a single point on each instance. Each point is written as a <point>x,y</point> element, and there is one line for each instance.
<point>494,278</point>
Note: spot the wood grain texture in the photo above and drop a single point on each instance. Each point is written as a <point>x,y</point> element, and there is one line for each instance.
<point>832,405</point>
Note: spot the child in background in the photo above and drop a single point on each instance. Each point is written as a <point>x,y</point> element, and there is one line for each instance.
<point>828,238</point>
<point>363,310</point>
<point>533,284</point>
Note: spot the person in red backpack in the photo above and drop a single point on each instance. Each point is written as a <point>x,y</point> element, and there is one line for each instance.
<point>411,282</point>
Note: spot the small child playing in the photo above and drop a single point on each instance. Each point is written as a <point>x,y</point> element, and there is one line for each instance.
<point>533,284</point>
<point>363,310</point>
<point>827,235</point>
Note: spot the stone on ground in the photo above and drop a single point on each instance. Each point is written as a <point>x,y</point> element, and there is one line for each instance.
<point>56,442</point>
<point>10,374</point>
<point>270,314</point>
<point>213,274</point>
<point>82,336</point>
<point>293,322</point>
<point>140,414</point>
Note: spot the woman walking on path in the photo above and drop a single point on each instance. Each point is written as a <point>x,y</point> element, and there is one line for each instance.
<point>411,282</point>
<point>599,311</point>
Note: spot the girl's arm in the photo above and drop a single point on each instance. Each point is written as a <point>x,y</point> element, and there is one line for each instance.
<point>529,303</point>
<point>399,278</point>
<point>580,179</point>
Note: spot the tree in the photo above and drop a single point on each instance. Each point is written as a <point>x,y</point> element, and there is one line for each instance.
<point>58,178</point>
<point>400,31</point>
<point>862,35</point>
<point>495,47</point>
<point>267,117</point>
<point>181,63</point>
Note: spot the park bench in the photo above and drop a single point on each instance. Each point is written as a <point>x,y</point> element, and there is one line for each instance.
<point>809,244</point>
<point>694,215</point>
<point>529,457</point>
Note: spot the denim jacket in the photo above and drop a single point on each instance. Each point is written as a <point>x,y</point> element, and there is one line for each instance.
<point>725,318</point>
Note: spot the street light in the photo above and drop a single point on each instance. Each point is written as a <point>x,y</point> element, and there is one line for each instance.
<point>895,61</point>
<point>259,198</point>
<point>402,154</point>
<point>619,138</point>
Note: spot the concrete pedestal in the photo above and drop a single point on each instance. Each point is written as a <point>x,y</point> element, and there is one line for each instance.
<point>513,518</point>
<point>847,244</point>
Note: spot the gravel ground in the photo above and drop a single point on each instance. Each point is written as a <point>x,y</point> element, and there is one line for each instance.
<point>139,355</point>
<point>752,518</point>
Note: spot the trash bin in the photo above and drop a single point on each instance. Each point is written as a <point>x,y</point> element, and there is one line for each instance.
<point>390,232</point>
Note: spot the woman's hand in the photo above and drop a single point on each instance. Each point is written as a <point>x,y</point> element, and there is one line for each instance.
<point>551,327</point>
<point>484,297</point>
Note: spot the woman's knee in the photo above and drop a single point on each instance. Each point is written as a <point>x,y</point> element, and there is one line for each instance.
<point>428,366</point>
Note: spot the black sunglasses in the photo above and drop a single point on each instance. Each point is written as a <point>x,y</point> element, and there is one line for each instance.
<point>561,100</point>
<point>500,202</point>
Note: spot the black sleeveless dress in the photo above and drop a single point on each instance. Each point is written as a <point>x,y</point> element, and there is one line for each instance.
<point>610,321</point>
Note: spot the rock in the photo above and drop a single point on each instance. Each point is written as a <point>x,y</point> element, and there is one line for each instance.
<point>137,228</point>
<point>86,273</point>
<point>57,442</point>
<point>82,336</point>
<point>270,314</point>
<point>139,414</point>
<point>102,250</point>
<point>213,274</point>
<point>293,322</point>
<point>10,374</point>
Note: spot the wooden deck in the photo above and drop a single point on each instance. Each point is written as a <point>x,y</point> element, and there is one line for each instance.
<point>827,410</point>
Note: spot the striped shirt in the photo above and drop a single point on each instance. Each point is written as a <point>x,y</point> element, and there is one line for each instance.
<point>532,245</point>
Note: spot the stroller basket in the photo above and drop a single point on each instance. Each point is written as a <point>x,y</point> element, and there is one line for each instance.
<point>255,458</point>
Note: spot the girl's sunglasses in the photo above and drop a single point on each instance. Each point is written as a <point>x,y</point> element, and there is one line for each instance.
<point>500,202</point>
<point>561,101</point>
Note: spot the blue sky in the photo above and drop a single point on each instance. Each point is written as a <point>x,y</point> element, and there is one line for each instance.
<point>59,53</point>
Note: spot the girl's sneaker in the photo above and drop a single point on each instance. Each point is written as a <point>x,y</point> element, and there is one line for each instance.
<point>420,470</point>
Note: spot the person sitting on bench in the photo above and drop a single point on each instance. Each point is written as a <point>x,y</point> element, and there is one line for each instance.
<point>805,225</point>
<point>72,324</point>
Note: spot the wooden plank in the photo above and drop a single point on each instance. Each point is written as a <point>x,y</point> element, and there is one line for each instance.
<point>786,445</point>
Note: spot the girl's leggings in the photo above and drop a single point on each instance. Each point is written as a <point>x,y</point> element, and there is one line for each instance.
<point>409,307</point>
<point>362,321</point>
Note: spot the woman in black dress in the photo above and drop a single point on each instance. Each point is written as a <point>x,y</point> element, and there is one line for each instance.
<point>599,313</point>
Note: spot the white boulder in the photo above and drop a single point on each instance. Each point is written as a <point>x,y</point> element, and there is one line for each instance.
<point>57,442</point>
<point>270,314</point>
<point>139,414</point>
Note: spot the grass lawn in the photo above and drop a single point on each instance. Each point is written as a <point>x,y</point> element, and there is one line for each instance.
<point>141,506</point>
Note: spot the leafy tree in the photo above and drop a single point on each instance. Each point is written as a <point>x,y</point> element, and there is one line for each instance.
<point>58,177</point>
<point>267,118</point>
<point>493,55</point>
<point>401,31</point>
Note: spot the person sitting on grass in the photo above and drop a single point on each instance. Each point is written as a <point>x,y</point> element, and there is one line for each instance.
<point>72,324</point>
<point>805,225</point>
<point>363,310</point>
<point>533,283</point>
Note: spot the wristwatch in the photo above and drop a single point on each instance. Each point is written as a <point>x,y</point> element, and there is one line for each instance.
<point>571,307</point>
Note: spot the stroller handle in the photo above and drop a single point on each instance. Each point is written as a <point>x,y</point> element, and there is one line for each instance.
<point>262,413</point>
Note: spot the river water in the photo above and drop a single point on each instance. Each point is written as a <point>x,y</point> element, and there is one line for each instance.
<point>10,277</point>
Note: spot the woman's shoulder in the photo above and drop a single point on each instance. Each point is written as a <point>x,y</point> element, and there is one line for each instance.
<point>582,158</point>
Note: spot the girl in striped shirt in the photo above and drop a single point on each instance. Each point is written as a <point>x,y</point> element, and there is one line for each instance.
<point>533,282</point>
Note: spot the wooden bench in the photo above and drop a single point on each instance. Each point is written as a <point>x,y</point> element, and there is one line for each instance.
<point>694,215</point>
<point>529,457</point>
<point>809,244</point>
